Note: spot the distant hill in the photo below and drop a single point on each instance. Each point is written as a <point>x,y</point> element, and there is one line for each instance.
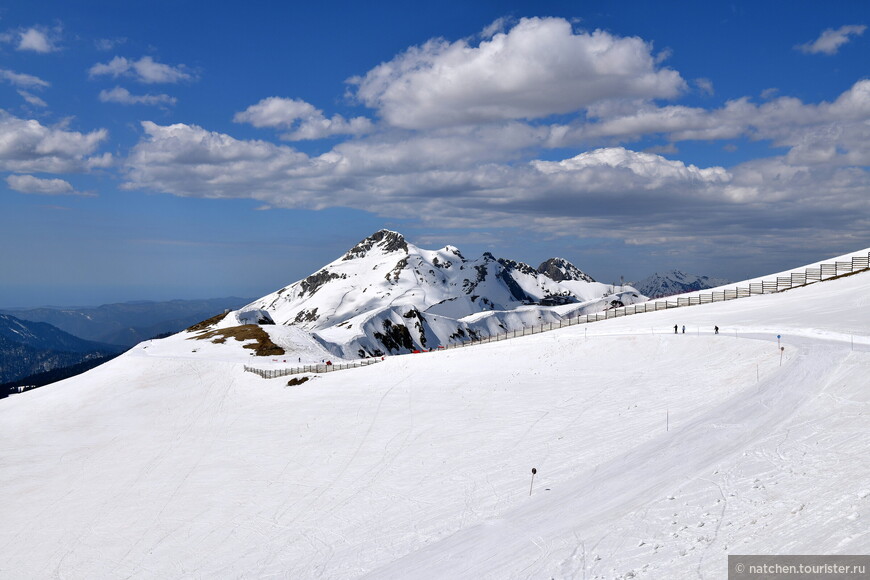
<point>58,374</point>
<point>675,282</point>
<point>129,323</point>
<point>28,348</point>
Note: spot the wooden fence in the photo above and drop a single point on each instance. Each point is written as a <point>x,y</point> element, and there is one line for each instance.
<point>320,368</point>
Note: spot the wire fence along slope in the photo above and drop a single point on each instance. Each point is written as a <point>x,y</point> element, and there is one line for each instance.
<point>795,279</point>
<point>825,271</point>
<point>318,368</point>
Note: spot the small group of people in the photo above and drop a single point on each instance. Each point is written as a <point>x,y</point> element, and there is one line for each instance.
<point>676,327</point>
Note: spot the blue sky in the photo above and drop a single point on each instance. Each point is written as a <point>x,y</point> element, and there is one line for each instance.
<point>194,149</point>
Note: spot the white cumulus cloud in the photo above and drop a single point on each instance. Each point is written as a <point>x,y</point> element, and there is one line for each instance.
<point>653,169</point>
<point>35,39</point>
<point>464,140</point>
<point>124,97</point>
<point>400,179</point>
<point>539,68</point>
<point>189,161</point>
<point>610,192</point>
<point>830,41</point>
<point>22,80</point>
<point>107,44</point>
<point>827,132</point>
<point>302,120</point>
<point>36,185</point>
<point>705,86</point>
<point>26,145</point>
<point>145,70</point>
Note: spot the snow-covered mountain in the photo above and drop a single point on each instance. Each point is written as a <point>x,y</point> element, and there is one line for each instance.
<point>657,455</point>
<point>675,282</point>
<point>386,295</point>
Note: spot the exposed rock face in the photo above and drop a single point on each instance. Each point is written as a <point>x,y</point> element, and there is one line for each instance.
<point>559,269</point>
<point>516,290</point>
<point>261,317</point>
<point>395,338</point>
<point>312,284</point>
<point>385,240</point>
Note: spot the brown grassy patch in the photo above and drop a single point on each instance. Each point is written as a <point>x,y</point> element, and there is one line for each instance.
<point>296,381</point>
<point>263,345</point>
<point>206,323</point>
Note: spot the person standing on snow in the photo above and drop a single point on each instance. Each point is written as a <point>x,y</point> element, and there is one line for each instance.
<point>716,329</point>
<point>684,329</point>
<point>675,329</point>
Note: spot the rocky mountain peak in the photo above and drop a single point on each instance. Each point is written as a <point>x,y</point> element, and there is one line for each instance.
<point>455,251</point>
<point>674,282</point>
<point>560,269</point>
<point>361,302</point>
<point>514,266</point>
<point>386,241</point>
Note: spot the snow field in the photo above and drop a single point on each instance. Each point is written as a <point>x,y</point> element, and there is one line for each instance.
<point>169,463</point>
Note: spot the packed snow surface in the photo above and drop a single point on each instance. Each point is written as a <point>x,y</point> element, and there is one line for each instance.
<point>657,454</point>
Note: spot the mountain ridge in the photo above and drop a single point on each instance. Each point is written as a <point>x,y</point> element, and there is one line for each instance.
<point>671,282</point>
<point>27,348</point>
<point>386,295</point>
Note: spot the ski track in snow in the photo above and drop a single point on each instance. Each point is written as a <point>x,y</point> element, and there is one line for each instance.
<point>768,406</point>
<point>172,463</point>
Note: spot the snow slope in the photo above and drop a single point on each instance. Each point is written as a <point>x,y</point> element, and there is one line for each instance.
<point>657,455</point>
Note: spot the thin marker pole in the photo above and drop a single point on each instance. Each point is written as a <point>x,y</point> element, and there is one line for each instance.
<point>534,471</point>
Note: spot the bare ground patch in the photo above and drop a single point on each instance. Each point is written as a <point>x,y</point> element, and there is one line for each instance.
<point>208,322</point>
<point>263,345</point>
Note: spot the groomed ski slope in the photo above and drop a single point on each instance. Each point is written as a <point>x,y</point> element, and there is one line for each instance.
<point>657,455</point>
